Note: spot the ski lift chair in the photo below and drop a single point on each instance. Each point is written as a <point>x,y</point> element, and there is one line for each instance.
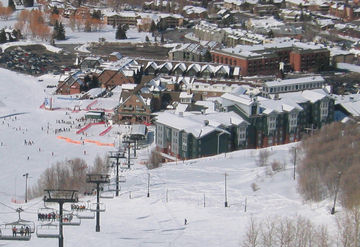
<point>69,219</point>
<point>48,230</point>
<point>7,232</point>
<point>94,208</point>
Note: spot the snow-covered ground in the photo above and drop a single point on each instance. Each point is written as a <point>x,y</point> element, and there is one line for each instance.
<point>80,37</point>
<point>177,189</point>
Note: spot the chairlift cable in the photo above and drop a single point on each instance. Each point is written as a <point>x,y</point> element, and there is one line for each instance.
<point>30,206</point>
<point>8,206</point>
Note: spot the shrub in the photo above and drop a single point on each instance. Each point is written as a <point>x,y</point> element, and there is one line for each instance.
<point>277,166</point>
<point>154,160</point>
<point>254,187</point>
<point>263,157</point>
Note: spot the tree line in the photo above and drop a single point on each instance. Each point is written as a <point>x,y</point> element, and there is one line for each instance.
<point>300,231</point>
<point>69,175</point>
<point>330,163</point>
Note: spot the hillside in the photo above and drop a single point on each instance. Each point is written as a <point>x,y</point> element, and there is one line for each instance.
<point>177,189</point>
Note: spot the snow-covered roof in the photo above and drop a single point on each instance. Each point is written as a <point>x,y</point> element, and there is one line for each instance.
<point>95,92</point>
<point>185,95</point>
<point>313,95</point>
<point>195,66</point>
<point>295,81</point>
<point>200,124</point>
<point>241,99</point>
<point>348,66</point>
<point>189,9</point>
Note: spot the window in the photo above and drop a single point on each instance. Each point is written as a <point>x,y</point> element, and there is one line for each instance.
<point>241,134</point>
<point>184,142</point>
<point>271,121</point>
<point>175,141</point>
<point>324,109</point>
<point>292,121</point>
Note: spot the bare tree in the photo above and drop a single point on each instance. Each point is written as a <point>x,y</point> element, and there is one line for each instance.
<point>268,233</point>
<point>252,238</point>
<point>286,232</point>
<point>263,157</point>
<point>331,151</point>
<point>154,160</point>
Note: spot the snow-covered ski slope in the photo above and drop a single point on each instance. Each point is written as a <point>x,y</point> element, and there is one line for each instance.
<point>177,190</point>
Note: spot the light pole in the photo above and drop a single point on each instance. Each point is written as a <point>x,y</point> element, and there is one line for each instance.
<point>336,191</point>
<point>148,187</point>
<point>294,162</point>
<point>226,202</point>
<point>26,175</point>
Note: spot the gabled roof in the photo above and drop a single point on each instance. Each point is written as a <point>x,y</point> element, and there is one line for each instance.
<point>222,68</point>
<point>152,65</point>
<point>241,99</point>
<point>166,65</point>
<point>200,125</point>
<point>279,106</point>
<point>312,96</point>
<point>180,66</point>
<point>195,67</point>
<point>209,68</point>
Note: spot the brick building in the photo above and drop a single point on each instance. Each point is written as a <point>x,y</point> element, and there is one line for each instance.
<point>110,78</point>
<point>133,109</point>
<point>265,59</point>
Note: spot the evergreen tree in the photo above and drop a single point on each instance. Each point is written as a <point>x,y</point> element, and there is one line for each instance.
<point>152,27</point>
<point>96,14</point>
<point>11,4</point>
<point>55,11</point>
<point>3,38</point>
<point>56,29</point>
<point>120,33</point>
<point>16,35</point>
<point>59,31</point>
<point>161,26</point>
<point>61,34</point>
<point>207,56</point>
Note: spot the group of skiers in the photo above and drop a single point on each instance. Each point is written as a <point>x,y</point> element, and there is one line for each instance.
<point>50,216</point>
<point>24,231</point>
<point>78,207</point>
<point>53,216</point>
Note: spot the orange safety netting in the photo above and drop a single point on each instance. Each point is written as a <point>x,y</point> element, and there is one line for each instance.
<point>86,140</point>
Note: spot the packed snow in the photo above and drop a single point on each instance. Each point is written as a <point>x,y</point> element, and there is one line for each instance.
<point>191,190</point>
<point>177,189</point>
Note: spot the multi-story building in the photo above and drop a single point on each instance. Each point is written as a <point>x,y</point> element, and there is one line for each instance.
<point>188,52</point>
<point>265,59</point>
<point>228,36</point>
<point>133,109</point>
<point>243,121</point>
<point>193,136</point>
<point>272,89</point>
<point>284,120</point>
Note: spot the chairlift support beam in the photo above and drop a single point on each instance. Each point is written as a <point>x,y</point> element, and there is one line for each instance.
<point>97,179</point>
<point>117,155</point>
<point>61,197</point>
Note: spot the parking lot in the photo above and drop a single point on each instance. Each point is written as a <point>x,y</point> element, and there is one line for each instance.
<point>35,60</point>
